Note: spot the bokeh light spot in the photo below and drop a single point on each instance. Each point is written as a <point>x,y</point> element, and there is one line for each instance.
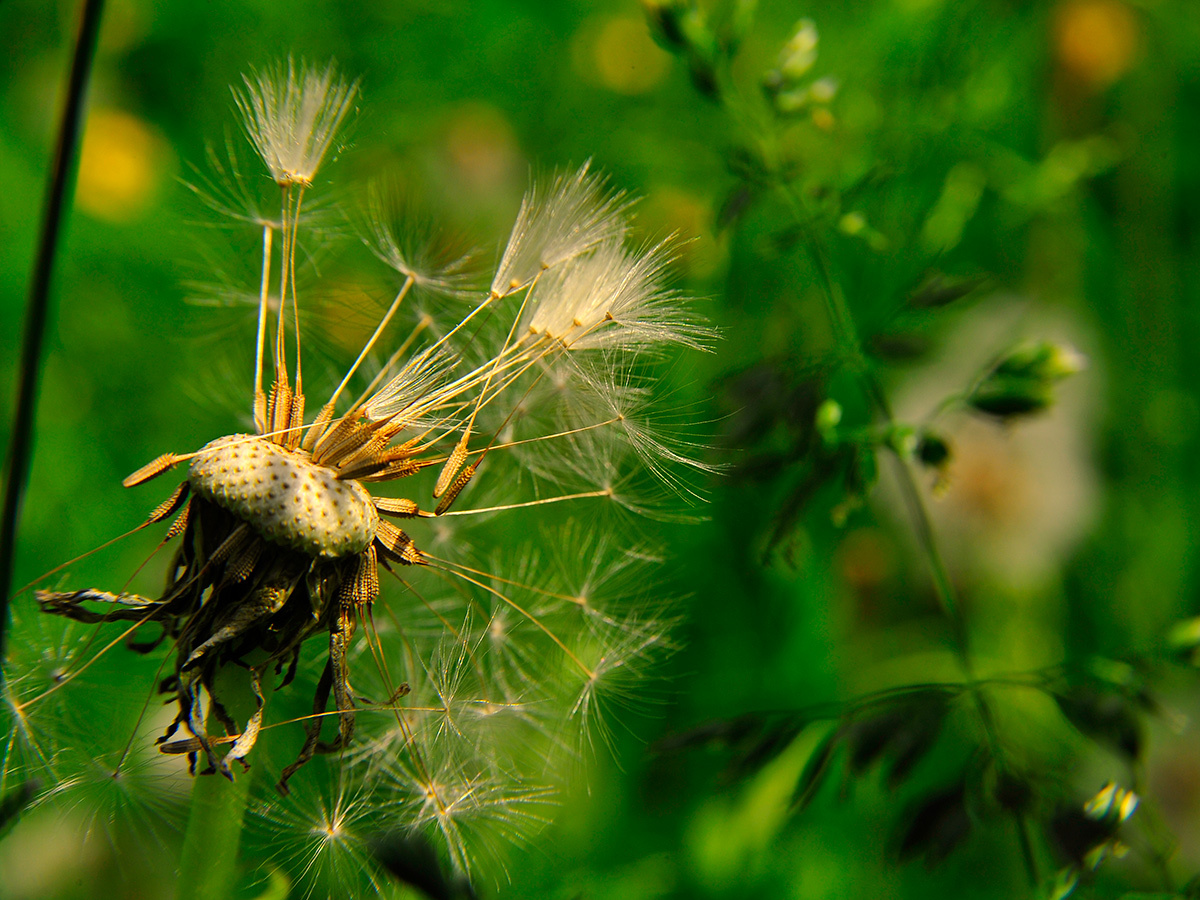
<point>121,166</point>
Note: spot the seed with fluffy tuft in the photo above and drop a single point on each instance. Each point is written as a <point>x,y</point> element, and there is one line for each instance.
<point>284,496</point>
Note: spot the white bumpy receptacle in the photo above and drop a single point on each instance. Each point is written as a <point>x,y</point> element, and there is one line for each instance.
<point>284,496</point>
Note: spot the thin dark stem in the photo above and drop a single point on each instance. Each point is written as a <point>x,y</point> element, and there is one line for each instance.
<point>58,190</point>
<point>1027,853</point>
<point>850,348</point>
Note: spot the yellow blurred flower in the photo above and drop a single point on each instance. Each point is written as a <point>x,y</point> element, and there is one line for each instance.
<point>482,148</point>
<point>1096,41</point>
<point>121,166</point>
<point>619,54</point>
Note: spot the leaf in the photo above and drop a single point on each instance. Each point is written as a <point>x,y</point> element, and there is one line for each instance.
<point>773,742</point>
<point>903,733</point>
<point>740,199</point>
<point>937,825</point>
<point>411,859</point>
<point>1105,716</point>
<point>814,772</point>
<point>938,290</point>
<point>720,732</point>
<point>278,886</point>
<point>899,346</point>
<point>15,802</point>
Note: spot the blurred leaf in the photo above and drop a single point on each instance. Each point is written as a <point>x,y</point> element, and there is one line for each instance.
<point>936,825</point>
<point>939,289</point>
<point>14,803</point>
<point>278,886</point>
<point>411,859</point>
<point>736,202</point>
<point>902,733</point>
<point>1013,792</point>
<point>1106,716</point>
<point>899,347</point>
<point>814,772</point>
<point>665,17</point>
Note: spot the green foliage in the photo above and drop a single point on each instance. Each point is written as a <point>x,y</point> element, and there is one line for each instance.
<point>941,617</point>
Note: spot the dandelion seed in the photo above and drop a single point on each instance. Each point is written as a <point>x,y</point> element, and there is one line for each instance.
<point>403,237</point>
<point>612,298</point>
<point>291,117</point>
<point>556,223</point>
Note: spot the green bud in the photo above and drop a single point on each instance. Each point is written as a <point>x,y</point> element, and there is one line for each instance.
<point>829,416</point>
<point>823,90</point>
<point>852,223</point>
<point>1184,637</point>
<point>939,290</point>
<point>741,20</point>
<point>783,83</point>
<point>932,450</point>
<point>800,53</point>
<point>1022,382</point>
<point>1114,804</point>
<point>1007,398</point>
<point>1044,361</point>
<point>902,440</point>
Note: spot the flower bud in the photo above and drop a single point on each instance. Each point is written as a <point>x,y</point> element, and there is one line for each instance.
<point>800,53</point>
<point>829,416</point>
<point>1044,361</point>
<point>933,451</point>
<point>1022,382</point>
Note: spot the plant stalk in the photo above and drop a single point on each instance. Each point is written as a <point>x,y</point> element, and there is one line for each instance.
<point>208,865</point>
<point>59,190</point>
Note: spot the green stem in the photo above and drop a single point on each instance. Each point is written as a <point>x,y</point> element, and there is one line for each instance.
<point>208,867</point>
<point>1027,853</point>
<point>850,349</point>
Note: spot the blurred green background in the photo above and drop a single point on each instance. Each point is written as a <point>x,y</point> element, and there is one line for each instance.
<point>1049,148</point>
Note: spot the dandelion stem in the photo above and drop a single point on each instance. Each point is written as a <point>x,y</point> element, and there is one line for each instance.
<point>208,866</point>
<point>289,235</point>
<point>292,275</point>
<point>58,192</point>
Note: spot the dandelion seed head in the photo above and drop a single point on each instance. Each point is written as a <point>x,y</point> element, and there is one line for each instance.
<point>507,631</point>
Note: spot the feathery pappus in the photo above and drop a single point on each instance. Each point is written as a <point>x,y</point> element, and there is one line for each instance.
<point>531,396</point>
